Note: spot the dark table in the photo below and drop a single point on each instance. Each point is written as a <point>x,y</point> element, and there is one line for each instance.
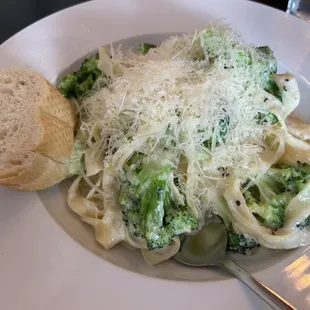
<point>17,14</point>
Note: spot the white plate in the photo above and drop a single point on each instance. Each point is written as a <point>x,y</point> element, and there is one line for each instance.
<point>41,267</point>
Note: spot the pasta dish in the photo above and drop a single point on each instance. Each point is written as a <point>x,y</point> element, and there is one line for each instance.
<point>169,135</point>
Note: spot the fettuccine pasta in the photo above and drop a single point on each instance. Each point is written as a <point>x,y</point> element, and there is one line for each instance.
<point>170,135</point>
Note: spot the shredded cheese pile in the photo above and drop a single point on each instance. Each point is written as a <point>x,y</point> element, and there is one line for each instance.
<point>167,99</point>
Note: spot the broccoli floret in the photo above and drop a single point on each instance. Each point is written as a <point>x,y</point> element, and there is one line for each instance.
<point>223,124</point>
<point>180,220</point>
<point>210,45</point>
<point>90,66</point>
<point>292,178</point>
<point>67,85</point>
<point>268,199</point>
<point>269,68</point>
<point>222,132</point>
<point>266,118</point>
<point>304,224</point>
<point>271,61</point>
<point>235,242</point>
<point>272,88</point>
<point>266,50</point>
<point>84,86</point>
<point>136,160</point>
<point>270,213</point>
<point>130,210</point>
<point>76,163</point>
<point>145,47</point>
<point>77,84</point>
<point>240,244</point>
<point>233,54</point>
<point>243,58</point>
<point>147,204</point>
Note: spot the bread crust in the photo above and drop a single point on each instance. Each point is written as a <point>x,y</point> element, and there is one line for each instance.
<point>54,104</point>
<point>39,173</point>
<point>42,160</point>
<point>57,138</point>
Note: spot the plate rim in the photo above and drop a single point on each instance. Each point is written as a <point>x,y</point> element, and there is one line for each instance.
<point>12,42</point>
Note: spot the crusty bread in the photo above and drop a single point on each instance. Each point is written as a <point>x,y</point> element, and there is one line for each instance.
<point>36,131</point>
<point>33,171</point>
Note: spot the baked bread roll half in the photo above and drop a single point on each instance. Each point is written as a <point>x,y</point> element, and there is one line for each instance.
<point>36,131</point>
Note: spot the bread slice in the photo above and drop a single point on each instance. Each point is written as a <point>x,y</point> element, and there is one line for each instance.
<point>36,131</point>
<point>32,171</point>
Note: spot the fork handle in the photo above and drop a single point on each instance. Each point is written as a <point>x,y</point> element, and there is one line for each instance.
<point>269,296</point>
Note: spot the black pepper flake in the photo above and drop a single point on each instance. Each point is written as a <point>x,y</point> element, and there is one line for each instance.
<point>284,88</point>
<point>238,203</point>
<point>265,99</point>
<point>301,226</point>
<point>286,80</point>
<point>223,171</point>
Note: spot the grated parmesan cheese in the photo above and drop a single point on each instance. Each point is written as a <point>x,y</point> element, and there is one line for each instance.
<point>169,99</point>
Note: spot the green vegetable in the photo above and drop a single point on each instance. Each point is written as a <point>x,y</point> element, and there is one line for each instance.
<point>270,212</point>
<point>148,208</point>
<point>269,67</point>
<point>240,244</point>
<point>233,54</point>
<point>265,67</point>
<point>271,62</point>
<point>235,242</point>
<point>90,66</point>
<point>221,134</point>
<point>177,220</point>
<point>266,118</point>
<point>291,178</point>
<point>76,161</point>
<point>304,224</point>
<point>131,209</point>
<point>268,199</point>
<point>223,124</point>
<point>272,88</point>
<point>145,47</point>
<point>67,85</point>
<point>243,58</point>
<point>77,84</point>
<point>83,87</point>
